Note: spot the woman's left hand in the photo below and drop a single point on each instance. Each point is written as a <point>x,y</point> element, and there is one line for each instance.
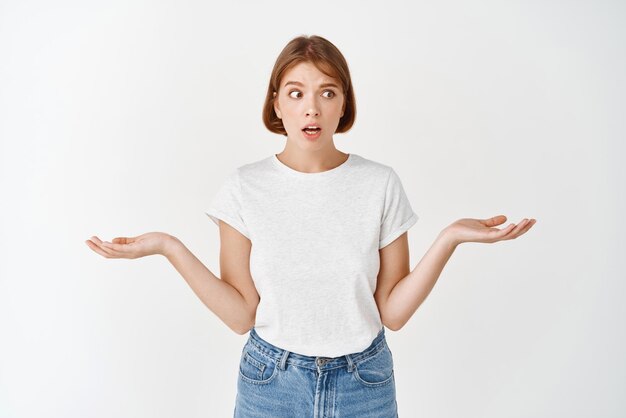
<point>482,230</point>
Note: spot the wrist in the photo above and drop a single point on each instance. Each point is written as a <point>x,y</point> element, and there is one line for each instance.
<point>449,238</point>
<point>170,244</point>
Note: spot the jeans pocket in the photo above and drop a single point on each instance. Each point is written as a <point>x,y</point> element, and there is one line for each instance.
<point>376,370</point>
<point>255,367</point>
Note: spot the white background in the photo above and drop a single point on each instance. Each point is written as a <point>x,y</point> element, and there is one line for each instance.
<point>124,117</point>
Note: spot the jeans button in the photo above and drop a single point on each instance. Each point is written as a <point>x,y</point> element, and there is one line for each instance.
<point>322,361</point>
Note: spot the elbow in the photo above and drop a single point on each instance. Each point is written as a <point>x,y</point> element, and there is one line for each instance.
<point>242,329</point>
<point>392,325</point>
<point>245,328</point>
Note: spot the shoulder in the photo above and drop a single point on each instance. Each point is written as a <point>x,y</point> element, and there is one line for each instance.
<point>371,168</point>
<point>254,168</point>
<point>249,172</point>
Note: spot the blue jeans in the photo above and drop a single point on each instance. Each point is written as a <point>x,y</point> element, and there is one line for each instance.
<point>277,383</point>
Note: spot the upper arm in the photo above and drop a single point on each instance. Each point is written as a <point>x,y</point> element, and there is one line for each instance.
<point>235,264</point>
<point>394,266</point>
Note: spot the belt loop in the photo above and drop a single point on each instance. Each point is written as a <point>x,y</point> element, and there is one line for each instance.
<point>350,363</point>
<point>283,359</point>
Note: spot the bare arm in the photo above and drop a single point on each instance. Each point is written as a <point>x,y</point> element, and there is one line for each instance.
<point>409,292</point>
<point>219,296</point>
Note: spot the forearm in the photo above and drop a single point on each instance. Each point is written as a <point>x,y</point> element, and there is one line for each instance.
<point>219,296</point>
<point>409,293</point>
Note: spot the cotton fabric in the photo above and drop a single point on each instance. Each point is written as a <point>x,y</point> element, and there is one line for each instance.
<point>315,241</point>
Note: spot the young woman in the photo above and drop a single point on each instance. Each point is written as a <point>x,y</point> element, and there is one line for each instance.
<point>314,257</point>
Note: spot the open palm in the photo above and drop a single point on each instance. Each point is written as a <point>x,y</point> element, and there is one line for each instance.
<point>130,247</point>
<point>482,230</point>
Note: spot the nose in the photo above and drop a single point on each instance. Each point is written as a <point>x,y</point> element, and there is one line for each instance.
<point>312,111</point>
<point>312,108</point>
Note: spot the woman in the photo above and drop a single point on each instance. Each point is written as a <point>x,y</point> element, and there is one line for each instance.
<point>329,268</point>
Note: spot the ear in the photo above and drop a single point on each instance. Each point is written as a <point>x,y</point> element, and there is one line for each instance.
<point>276,107</point>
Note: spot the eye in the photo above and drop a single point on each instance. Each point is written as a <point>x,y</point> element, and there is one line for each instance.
<point>332,94</point>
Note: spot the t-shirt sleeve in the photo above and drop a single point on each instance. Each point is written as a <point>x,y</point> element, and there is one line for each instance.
<point>398,216</point>
<point>227,204</point>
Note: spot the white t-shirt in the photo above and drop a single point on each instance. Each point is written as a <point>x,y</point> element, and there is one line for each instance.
<point>315,240</point>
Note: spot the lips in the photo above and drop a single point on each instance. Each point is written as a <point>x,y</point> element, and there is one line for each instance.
<point>312,135</point>
<point>311,128</point>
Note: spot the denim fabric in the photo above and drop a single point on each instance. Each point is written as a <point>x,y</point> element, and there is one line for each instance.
<point>277,383</point>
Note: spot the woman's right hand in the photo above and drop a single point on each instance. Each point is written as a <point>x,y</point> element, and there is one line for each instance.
<point>150,243</point>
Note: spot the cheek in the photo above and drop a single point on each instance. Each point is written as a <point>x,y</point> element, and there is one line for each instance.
<point>338,105</point>
<point>287,108</point>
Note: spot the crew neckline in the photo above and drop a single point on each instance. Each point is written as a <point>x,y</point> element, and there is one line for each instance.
<point>283,167</point>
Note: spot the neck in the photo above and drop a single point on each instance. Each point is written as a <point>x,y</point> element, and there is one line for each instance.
<point>314,161</point>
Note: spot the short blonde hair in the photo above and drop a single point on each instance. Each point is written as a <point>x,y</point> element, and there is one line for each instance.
<point>328,59</point>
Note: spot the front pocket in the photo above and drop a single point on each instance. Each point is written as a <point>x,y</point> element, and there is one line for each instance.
<point>256,368</point>
<point>376,370</point>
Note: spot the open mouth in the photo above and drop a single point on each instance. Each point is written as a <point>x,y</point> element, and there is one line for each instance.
<point>312,131</point>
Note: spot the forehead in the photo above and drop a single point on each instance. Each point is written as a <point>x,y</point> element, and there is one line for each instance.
<point>307,73</point>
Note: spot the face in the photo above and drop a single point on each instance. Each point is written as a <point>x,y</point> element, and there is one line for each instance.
<point>306,96</point>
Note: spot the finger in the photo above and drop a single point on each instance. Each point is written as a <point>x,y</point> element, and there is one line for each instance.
<point>97,249</point>
<point>517,230</point>
<point>503,233</point>
<point>113,250</point>
<point>96,239</point>
<point>116,250</point>
<point>496,220</point>
<point>122,248</point>
<point>102,245</point>
<point>527,227</point>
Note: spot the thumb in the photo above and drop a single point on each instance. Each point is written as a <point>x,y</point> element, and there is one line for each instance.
<point>497,220</point>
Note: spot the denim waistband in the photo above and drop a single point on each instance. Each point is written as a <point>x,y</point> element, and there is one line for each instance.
<point>284,357</point>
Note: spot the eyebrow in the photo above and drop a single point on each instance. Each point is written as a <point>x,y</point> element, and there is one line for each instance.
<point>297,83</point>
